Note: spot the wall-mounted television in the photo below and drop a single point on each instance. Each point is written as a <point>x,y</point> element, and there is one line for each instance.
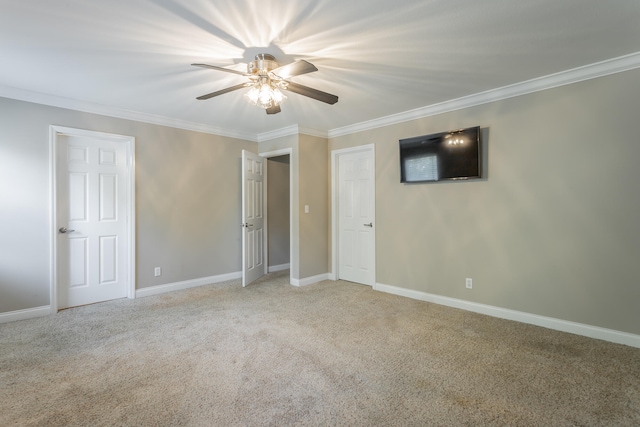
<point>441,156</point>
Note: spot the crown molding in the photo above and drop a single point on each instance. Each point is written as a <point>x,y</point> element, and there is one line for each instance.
<point>313,132</point>
<point>89,107</point>
<point>291,130</point>
<point>587,72</point>
<point>575,75</point>
<point>278,133</point>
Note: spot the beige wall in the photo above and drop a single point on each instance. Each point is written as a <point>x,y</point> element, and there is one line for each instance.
<point>278,210</point>
<point>188,193</point>
<point>552,229</point>
<point>188,200</point>
<point>314,189</point>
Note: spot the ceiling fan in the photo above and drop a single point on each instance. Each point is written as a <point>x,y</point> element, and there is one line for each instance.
<point>267,78</point>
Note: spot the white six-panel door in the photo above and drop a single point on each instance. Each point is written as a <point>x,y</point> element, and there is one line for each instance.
<point>356,217</point>
<point>253,257</point>
<point>91,220</point>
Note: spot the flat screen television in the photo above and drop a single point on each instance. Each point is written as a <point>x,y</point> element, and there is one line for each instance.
<point>441,156</point>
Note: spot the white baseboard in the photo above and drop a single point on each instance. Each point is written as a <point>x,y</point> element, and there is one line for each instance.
<point>29,313</point>
<point>310,280</point>
<point>610,335</point>
<point>274,268</point>
<point>177,286</point>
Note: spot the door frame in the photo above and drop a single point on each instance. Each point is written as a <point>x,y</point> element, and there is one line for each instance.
<point>335,197</point>
<point>293,257</point>
<point>130,185</point>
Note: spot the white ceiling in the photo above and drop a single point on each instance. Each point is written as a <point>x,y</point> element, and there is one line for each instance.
<point>380,57</point>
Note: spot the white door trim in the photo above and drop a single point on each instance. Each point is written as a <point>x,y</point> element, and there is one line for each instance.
<point>293,257</point>
<point>335,154</point>
<point>54,133</point>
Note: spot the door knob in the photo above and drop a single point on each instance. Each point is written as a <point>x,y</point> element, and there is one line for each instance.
<point>64,230</point>
<point>369,225</point>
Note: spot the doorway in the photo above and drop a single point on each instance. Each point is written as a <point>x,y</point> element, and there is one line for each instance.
<point>277,246</point>
<point>279,223</point>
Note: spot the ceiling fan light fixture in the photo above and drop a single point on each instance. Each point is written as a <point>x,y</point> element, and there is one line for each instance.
<point>267,80</point>
<point>265,94</point>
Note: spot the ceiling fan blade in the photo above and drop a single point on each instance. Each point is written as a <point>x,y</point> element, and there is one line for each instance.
<point>294,69</point>
<point>311,93</point>
<point>222,92</point>
<point>227,70</point>
<point>273,110</point>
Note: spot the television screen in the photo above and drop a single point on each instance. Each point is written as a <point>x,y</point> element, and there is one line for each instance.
<point>441,156</point>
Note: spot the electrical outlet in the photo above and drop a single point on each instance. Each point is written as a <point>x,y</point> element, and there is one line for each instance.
<point>157,271</point>
<point>468,283</point>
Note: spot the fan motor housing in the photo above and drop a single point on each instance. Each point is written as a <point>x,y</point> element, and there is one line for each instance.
<point>262,64</point>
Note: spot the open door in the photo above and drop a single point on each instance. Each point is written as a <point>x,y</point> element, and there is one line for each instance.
<point>253,262</point>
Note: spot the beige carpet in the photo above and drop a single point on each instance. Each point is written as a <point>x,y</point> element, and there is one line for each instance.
<point>334,353</point>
